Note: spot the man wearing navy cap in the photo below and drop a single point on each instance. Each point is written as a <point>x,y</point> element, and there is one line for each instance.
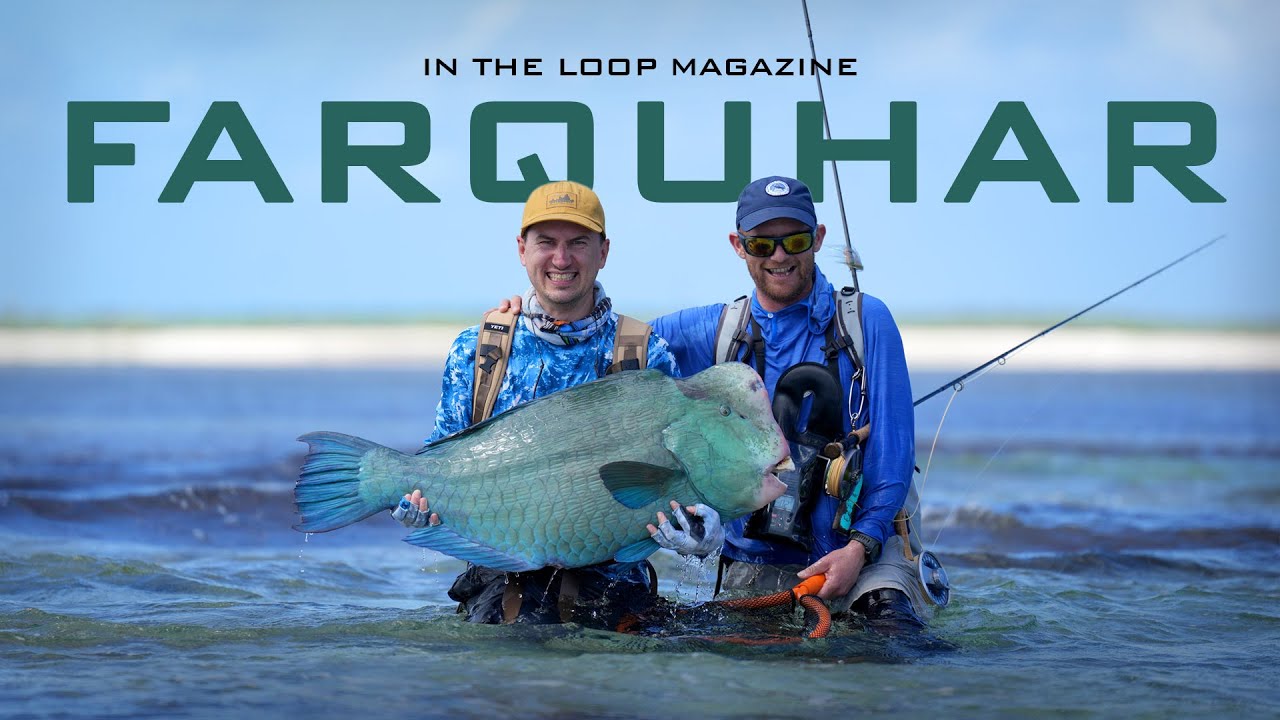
<point>788,321</point>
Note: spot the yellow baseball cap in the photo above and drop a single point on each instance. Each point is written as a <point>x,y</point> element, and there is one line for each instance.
<point>564,200</point>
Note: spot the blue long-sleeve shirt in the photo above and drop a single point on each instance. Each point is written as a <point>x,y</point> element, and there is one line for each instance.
<point>794,335</point>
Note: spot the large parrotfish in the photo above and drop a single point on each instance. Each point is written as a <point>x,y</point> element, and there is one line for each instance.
<point>567,480</point>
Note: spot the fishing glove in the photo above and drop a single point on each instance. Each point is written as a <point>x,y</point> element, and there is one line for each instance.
<point>408,514</point>
<point>699,533</point>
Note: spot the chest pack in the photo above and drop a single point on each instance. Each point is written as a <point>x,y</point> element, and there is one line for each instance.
<point>493,353</point>
<point>828,463</point>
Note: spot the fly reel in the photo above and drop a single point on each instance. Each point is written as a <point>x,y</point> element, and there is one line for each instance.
<point>844,469</point>
<point>934,579</point>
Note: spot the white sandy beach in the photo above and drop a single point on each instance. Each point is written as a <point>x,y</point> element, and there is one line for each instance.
<point>943,348</point>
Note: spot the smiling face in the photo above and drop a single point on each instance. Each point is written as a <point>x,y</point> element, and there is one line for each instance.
<point>780,279</point>
<point>563,259</point>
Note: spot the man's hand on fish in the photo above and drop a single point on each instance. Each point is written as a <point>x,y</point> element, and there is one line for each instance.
<point>697,530</point>
<point>513,303</point>
<point>841,567</point>
<point>415,512</point>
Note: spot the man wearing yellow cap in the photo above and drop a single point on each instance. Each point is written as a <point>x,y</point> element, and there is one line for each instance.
<point>567,335</point>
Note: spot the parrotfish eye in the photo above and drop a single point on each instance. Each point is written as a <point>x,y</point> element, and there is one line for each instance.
<point>724,410</point>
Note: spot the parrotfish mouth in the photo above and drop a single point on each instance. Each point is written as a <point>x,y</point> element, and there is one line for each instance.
<point>774,487</point>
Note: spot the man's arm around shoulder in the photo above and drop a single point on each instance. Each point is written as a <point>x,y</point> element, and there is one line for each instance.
<point>691,335</point>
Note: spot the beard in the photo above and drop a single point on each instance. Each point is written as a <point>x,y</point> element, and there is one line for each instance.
<point>785,290</point>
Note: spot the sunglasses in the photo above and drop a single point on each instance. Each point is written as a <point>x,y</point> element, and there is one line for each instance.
<point>763,247</point>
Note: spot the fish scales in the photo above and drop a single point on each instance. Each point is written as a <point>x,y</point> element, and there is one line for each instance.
<point>570,479</point>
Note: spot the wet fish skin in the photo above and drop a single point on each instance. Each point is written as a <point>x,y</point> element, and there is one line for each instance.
<point>567,480</point>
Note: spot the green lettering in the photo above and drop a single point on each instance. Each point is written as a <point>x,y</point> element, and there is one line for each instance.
<point>83,154</point>
<point>387,162</point>
<point>651,162</point>
<point>1174,162</point>
<point>485,119</point>
<point>1039,166</point>
<point>813,149</point>
<point>253,166</point>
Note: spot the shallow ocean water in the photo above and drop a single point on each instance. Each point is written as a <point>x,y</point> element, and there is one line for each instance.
<point>1112,541</point>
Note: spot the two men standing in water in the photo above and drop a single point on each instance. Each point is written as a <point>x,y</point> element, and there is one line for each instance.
<point>801,335</point>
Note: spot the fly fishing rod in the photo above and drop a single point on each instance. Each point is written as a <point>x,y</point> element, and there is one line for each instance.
<point>958,383</point>
<point>855,263</point>
<point>850,255</point>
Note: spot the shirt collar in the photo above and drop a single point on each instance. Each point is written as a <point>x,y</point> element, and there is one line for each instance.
<point>818,307</point>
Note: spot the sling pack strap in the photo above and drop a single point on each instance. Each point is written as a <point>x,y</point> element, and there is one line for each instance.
<point>630,345</point>
<point>493,348</point>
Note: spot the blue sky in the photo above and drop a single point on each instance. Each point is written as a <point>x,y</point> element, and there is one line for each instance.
<point>1009,252</point>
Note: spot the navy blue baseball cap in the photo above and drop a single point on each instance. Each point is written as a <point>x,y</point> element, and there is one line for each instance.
<point>772,198</point>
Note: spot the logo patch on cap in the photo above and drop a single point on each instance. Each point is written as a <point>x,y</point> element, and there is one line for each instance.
<point>777,188</point>
<point>565,199</point>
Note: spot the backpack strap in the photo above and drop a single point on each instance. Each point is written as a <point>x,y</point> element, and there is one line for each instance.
<point>849,339</point>
<point>849,323</point>
<point>731,333</point>
<point>630,345</point>
<point>493,350</point>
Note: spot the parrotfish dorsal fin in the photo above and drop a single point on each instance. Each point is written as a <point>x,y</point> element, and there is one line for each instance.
<point>637,484</point>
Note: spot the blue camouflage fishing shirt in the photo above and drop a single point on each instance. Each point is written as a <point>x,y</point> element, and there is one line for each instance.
<point>535,369</point>
<point>794,335</point>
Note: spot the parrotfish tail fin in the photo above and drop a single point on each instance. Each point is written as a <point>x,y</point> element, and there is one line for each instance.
<point>328,491</point>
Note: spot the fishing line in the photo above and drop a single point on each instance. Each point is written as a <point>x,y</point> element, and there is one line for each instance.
<point>946,522</point>
<point>955,390</point>
<point>1044,399</point>
<point>924,476</point>
<point>958,383</point>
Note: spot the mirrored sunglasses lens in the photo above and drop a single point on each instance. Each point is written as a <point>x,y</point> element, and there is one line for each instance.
<point>797,243</point>
<point>760,247</point>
